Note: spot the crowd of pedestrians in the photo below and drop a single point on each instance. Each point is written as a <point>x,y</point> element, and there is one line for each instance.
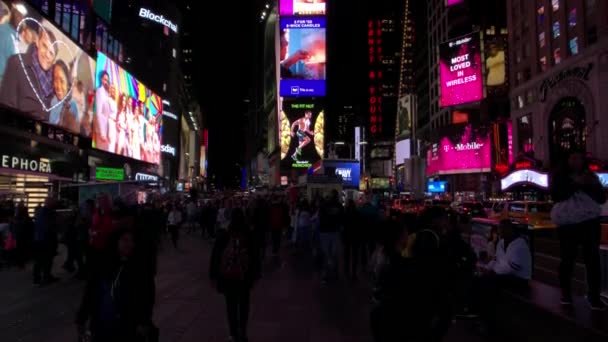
<point>422,273</point>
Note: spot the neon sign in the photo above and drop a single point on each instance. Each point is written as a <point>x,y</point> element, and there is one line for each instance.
<point>525,177</point>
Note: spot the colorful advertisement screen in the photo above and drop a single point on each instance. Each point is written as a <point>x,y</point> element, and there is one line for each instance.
<point>453,2</point>
<point>436,187</point>
<point>461,70</point>
<point>302,7</point>
<point>43,74</point>
<point>302,56</point>
<point>468,153</point>
<point>203,161</point>
<point>128,116</point>
<point>301,132</point>
<point>349,171</point>
<point>495,48</point>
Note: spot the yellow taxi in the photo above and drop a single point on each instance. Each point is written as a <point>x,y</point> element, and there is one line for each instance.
<point>536,214</point>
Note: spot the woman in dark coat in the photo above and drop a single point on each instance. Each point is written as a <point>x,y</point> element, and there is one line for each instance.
<point>235,267</point>
<point>119,297</point>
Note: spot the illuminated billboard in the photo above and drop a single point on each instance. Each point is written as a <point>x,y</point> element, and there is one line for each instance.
<point>405,107</point>
<point>43,74</point>
<point>461,70</point>
<point>468,153</point>
<point>496,77</point>
<point>302,56</point>
<point>453,2</point>
<point>128,116</point>
<point>301,132</point>
<point>403,151</point>
<point>302,7</point>
<point>203,162</point>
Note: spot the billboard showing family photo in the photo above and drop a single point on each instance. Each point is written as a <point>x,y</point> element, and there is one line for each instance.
<point>128,116</point>
<point>461,70</point>
<point>43,74</point>
<point>302,56</point>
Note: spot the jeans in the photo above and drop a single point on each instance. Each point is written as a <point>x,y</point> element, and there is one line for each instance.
<point>587,235</point>
<point>174,231</point>
<point>44,253</point>
<point>237,307</point>
<point>329,246</point>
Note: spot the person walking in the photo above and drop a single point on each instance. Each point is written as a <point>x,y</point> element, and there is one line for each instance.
<point>578,194</point>
<point>173,223</point>
<point>22,229</point>
<point>331,216</point>
<point>351,240</point>
<point>278,221</point>
<point>234,269</point>
<point>45,243</point>
<point>118,299</point>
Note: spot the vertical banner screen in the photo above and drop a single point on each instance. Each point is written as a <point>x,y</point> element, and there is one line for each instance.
<point>461,70</point>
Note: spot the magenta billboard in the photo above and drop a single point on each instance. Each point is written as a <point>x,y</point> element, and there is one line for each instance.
<point>469,153</point>
<point>302,7</point>
<point>461,70</point>
<point>453,2</point>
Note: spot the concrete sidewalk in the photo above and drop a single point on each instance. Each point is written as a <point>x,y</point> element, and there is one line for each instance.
<point>288,304</point>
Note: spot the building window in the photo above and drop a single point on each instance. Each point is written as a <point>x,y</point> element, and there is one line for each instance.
<point>556,32</point>
<point>572,18</point>
<point>541,39</point>
<point>520,101</point>
<point>519,76</point>
<point>541,15</point>
<point>557,58</point>
<point>530,96</point>
<point>525,135</point>
<point>555,4</point>
<point>543,63</point>
<point>574,46</point>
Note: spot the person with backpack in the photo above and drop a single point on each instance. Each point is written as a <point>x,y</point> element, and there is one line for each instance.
<point>234,268</point>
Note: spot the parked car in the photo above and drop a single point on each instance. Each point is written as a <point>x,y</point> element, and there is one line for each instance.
<point>468,210</point>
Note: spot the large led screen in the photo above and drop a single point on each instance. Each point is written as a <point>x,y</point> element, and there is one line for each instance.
<point>405,107</point>
<point>302,7</point>
<point>302,56</point>
<point>301,132</point>
<point>43,74</point>
<point>128,116</point>
<point>461,70</point>
<point>468,153</point>
<point>349,171</point>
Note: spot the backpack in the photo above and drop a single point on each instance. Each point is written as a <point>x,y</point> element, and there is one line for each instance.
<point>235,260</point>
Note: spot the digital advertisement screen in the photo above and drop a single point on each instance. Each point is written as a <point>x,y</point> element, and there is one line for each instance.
<point>405,106</point>
<point>461,70</point>
<point>453,2</point>
<point>203,161</point>
<point>302,56</point>
<point>43,74</point>
<point>128,116</point>
<point>518,177</point>
<point>436,187</point>
<point>349,171</point>
<point>302,7</point>
<point>301,132</point>
<point>169,132</point>
<point>402,151</point>
<point>495,48</point>
<point>469,153</point>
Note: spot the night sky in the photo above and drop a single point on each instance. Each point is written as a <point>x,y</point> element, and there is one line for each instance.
<point>224,59</point>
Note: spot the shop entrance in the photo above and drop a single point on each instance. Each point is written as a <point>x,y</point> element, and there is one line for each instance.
<point>31,190</point>
<point>566,128</point>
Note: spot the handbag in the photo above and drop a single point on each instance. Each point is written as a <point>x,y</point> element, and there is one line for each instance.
<point>576,209</point>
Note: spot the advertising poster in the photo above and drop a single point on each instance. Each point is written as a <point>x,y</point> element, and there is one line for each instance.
<point>349,171</point>
<point>453,2</point>
<point>43,74</point>
<point>468,153</point>
<point>404,115</point>
<point>302,7</point>
<point>461,70</point>
<point>302,56</point>
<point>203,161</point>
<point>128,116</point>
<point>495,48</point>
<point>302,132</point>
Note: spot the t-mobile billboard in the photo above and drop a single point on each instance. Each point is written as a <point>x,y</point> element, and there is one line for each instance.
<point>461,70</point>
<point>469,153</point>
